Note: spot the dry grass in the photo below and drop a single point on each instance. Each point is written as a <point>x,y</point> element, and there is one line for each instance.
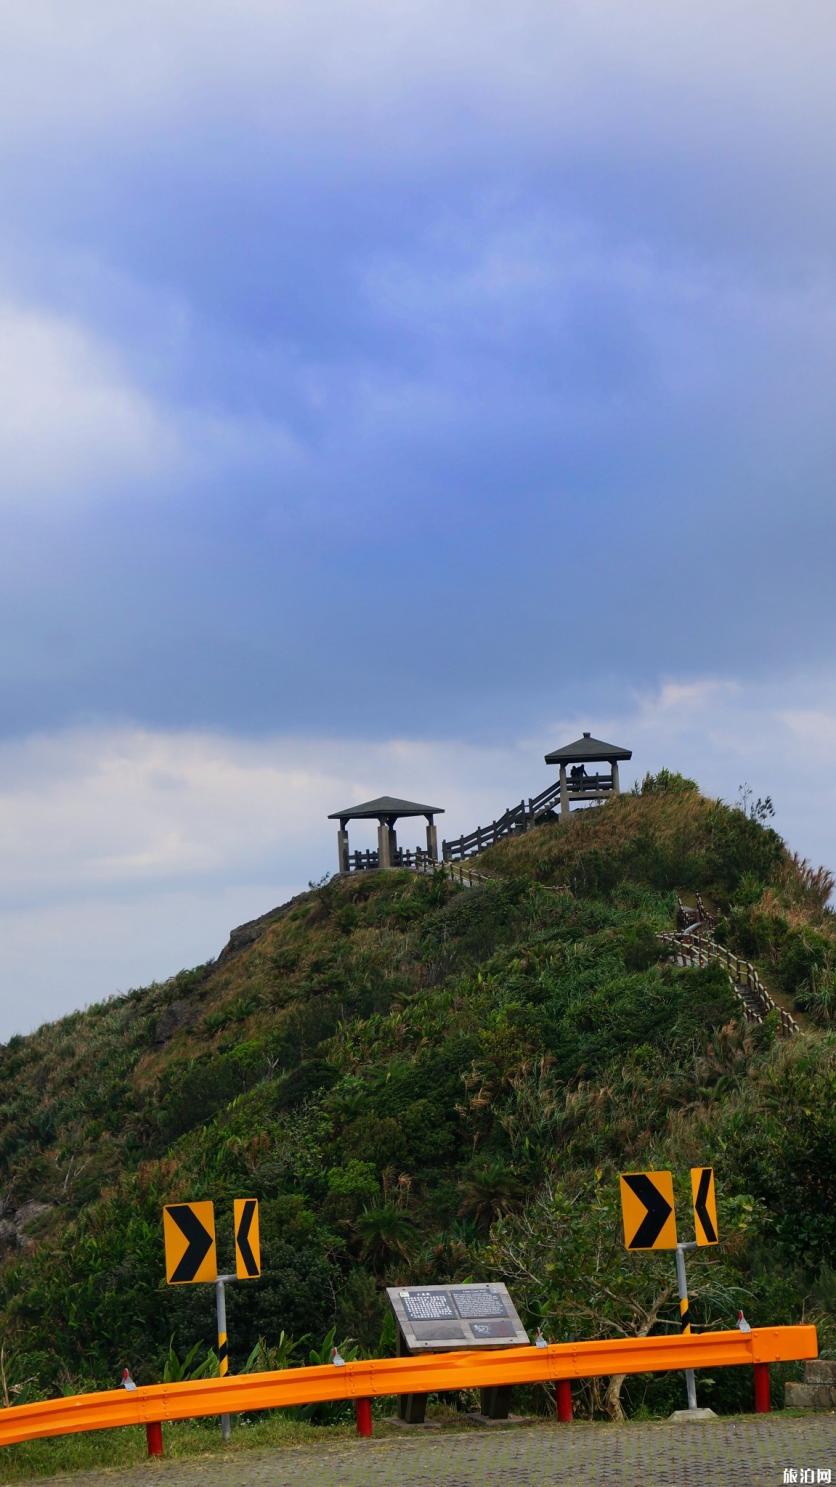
<point>675,821</point>
<point>806,888</point>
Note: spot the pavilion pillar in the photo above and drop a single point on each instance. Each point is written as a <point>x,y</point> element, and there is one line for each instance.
<point>615,785</point>
<point>342,849</point>
<point>432,840</point>
<point>564,792</point>
<point>384,855</point>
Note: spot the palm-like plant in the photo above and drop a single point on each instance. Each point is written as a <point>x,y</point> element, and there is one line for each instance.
<point>488,1190</point>
<point>385,1232</point>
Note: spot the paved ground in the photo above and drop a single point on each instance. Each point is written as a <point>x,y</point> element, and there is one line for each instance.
<point>721,1453</point>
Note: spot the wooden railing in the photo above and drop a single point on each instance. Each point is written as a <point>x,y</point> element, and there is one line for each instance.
<point>516,819</point>
<point>700,950</point>
<point>525,815</point>
<point>420,859</point>
<point>361,862</point>
<point>457,872</point>
<point>691,917</point>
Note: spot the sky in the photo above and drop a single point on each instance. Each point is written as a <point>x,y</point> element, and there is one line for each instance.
<point>389,392</point>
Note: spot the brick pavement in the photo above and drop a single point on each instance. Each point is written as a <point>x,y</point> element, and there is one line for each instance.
<point>721,1453</point>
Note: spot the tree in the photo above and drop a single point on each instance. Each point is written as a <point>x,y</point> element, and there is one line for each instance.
<point>567,1233</point>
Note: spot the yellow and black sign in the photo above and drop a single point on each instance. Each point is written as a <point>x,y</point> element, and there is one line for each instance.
<point>705,1204</point>
<point>190,1253</point>
<point>247,1239</point>
<point>647,1210</point>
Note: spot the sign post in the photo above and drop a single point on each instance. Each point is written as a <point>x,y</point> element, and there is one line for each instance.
<point>649,1217</point>
<point>191,1256</point>
<point>223,1343</point>
<point>684,1320</point>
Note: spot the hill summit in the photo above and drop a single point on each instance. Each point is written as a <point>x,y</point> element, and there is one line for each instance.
<point>423,1081</point>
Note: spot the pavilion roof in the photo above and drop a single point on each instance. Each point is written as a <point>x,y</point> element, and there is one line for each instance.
<point>386,805</point>
<point>585,749</point>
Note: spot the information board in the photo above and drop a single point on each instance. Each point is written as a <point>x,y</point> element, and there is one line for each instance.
<point>440,1318</point>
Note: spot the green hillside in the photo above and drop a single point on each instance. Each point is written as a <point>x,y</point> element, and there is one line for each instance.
<point>425,1081</point>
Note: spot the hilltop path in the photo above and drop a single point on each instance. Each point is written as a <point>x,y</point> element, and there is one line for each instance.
<point>751,1452</point>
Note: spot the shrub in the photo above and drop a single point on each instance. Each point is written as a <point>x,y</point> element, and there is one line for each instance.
<point>667,782</point>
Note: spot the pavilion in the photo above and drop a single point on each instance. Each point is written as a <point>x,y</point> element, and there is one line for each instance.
<point>578,787</point>
<point>386,810</point>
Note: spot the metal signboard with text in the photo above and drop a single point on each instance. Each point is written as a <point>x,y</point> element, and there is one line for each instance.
<point>442,1318</point>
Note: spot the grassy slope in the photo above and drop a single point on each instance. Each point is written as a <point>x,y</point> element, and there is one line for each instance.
<point>423,1082</point>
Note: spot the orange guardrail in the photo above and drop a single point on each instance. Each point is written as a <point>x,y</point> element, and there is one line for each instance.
<point>156,1403</point>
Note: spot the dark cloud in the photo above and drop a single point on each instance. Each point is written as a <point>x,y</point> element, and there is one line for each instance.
<point>471,361</point>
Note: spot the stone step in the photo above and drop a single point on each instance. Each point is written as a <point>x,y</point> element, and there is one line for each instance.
<point>821,1371</point>
<point>809,1397</point>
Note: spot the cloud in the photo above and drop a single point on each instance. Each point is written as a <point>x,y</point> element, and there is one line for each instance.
<point>71,420</point>
<point>151,59</point>
<point>76,425</point>
<point>116,810</point>
<point>57,957</point>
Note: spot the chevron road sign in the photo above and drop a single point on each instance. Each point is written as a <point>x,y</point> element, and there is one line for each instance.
<point>247,1239</point>
<point>189,1233</point>
<point>647,1210</point>
<point>705,1205</point>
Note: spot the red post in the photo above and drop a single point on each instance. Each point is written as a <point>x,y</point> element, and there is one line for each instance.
<point>363,1414</point>
<point>563,1399</point>
<point>154,1436</point>
<point>762,1401</point>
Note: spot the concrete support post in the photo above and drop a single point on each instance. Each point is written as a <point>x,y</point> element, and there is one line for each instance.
<point>615,784</point>
<point>384,836</point>
<point>564,792</point>
<point>342,850</point>
<point>432,840</point>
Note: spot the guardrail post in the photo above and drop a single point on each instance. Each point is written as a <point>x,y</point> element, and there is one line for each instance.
<point>154,1437</point>
<point>563,1399</point>
<point>762,1401</point>
<point>363,1416</point>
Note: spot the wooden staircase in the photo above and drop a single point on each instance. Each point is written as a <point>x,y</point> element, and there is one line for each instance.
<point>691,948</point>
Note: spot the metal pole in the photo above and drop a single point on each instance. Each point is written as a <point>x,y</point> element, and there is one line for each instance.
<point>223,1345</point>
<point>154,1438</point>
<point>762,1401</point>
<point>684,1320</point>
<point>563,1399</point>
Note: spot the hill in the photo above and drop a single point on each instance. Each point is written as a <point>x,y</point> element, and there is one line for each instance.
<point>422,1081</point>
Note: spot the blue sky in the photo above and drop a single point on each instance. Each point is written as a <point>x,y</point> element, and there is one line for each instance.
<point>387,389</point>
